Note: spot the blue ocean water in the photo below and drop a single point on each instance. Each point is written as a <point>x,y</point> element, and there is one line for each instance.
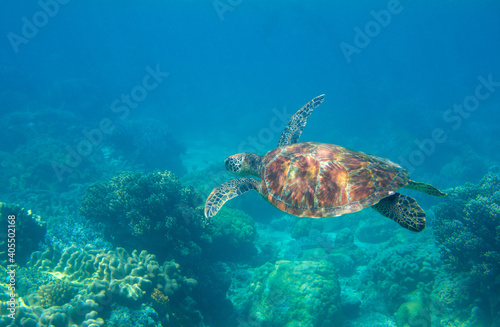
<point>91,89</point>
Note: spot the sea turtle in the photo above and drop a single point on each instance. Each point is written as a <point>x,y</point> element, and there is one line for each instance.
<point>322,180</point>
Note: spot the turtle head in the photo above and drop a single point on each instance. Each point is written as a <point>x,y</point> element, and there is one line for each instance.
<point>244,164</point>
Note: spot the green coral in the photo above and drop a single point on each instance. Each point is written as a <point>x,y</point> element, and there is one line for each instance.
<point>304,226</point>
<point>155,212</point>
<point>468,227</point>
<point>29,230</point>
<point>413,313</point>
<point>152,210</point>
<point>54,293</point>
<point>300,293</point>
<point>232,231</point>
<point>401,270</point>
<point>79,312</point>
<point>101,276</point>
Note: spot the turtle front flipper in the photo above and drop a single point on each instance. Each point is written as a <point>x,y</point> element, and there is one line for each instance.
<point>294,128</point>
<point>225,192</point>
<point>403,210</point>
<point>424,188</point>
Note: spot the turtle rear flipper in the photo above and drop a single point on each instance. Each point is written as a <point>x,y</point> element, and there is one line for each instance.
<point>225,192</point>
<point>403,210</point>
<point>424,188</point>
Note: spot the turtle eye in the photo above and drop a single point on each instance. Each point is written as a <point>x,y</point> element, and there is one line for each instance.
<point>229,162</point>
<point>232,164</point>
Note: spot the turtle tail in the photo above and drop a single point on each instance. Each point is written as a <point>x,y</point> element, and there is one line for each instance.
<point>424,188</point>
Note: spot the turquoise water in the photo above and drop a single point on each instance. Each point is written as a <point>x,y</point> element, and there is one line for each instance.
<point>91,90</point>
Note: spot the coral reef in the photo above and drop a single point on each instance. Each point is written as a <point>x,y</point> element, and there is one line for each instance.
<point>151,211</point>
<point>304,226</point>
<point>232,232</point>
<point>64,226</point>
<point>399,271</point>
<point>145,316</point>
<point>77,313</point>
<point>467,226</point>
<point>288,293</point>
<point>412,313</point>
<point>156,213</point>
<point>83,283</point>
<point>29,230</point>
<point>54,293</point>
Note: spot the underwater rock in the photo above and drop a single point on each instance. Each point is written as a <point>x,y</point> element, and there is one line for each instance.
<point>293,293</point>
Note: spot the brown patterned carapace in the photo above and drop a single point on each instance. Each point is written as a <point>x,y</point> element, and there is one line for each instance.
<point>323,180</point>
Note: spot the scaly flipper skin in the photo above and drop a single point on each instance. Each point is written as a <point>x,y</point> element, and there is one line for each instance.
<point>225,192</point>
<point>424,188</point>
<point>294,128</point>
<point>403,210</point>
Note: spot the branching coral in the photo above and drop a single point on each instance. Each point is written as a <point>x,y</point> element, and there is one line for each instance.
<point>54,293</point>
<point>468,227</point>
<point>153,210</point>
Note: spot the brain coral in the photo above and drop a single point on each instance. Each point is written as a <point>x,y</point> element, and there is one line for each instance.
<point>293,293</point>
<point>106,275</point>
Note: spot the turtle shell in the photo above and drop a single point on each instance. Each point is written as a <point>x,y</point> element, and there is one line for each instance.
<point>324,180</point>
